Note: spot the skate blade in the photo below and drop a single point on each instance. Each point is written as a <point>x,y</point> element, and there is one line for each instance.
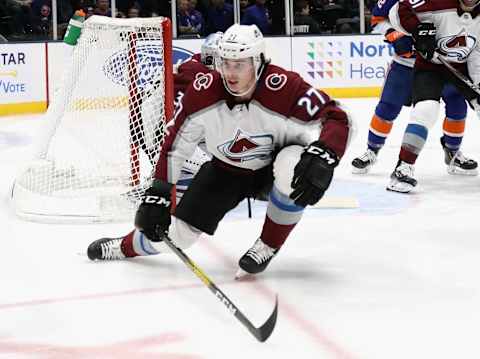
<point>461,172</point>
<point>360,171</point>
<point>242,275</point>
<point>400,187</point>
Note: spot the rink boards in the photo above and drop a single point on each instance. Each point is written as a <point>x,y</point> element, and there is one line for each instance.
<point>343,66</point>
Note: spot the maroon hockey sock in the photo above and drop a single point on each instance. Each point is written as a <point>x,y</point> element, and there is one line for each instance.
<point>127,245</point>
<point>274,234</point>
<point>407,156</point>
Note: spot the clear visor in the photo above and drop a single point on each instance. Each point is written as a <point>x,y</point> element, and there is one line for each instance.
<point>239,66</point>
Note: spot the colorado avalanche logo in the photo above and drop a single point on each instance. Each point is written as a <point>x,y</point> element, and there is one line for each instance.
<point>203,82</point>
<point>457,48</point>
<point>275,81</point>
<point>148,63</point>
<point>245,147</point>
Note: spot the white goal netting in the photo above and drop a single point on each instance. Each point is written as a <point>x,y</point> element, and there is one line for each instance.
<point>104,127</point>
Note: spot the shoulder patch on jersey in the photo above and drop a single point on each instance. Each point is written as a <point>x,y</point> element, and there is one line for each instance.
<point>203,82</point>
<point>275,81</point>
<point>199,74</point>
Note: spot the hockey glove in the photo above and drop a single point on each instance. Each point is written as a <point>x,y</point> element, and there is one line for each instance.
<point>312,174</point>
<point>402,44</point>
<point>153,214</point>
<point>424,39</point>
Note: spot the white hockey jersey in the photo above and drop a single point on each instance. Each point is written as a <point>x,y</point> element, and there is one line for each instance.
<point>284,110</point>
<point>458,32</point>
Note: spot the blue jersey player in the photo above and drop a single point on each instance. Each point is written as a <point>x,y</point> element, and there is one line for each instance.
<point>397,92</point>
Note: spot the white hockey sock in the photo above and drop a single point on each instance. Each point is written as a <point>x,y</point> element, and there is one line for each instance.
<point>181,233</point>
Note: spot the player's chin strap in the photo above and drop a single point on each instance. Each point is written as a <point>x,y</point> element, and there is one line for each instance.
<point>238,94</point>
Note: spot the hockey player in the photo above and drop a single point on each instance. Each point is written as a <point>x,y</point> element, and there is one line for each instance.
<point>452,28</point>
<point>193,68</point>
<point>198,65</point>
<point>239,115</point>
<point>397,92</point>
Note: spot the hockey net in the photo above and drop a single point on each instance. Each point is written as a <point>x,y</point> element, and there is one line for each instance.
<point>104,127</point>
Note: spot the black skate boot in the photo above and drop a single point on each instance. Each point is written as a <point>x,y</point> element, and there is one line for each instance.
<point>457,163</point>
<point>256,259</point>
<point>106,249</point>
<point>402,179</point>
<point>362,164</point>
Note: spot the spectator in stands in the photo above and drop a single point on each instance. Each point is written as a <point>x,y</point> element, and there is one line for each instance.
<point>303,22</point>
<point>6,19</point>
<point>134,11</point>
<point>243,6</point>
<point>64,9</point>
<point>41,24</point>
<point>219,16</point>
<point>192,9</point>
<point>103,8</point>
<point>189,23</point>
<point>21,20</point>
<point>328,12</point>
<point>89,11</point>
<point>257,14</point>
<point>120,14</point>
<point>13,13</point>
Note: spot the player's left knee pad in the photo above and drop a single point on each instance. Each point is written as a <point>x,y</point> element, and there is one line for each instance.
<point>425,113</point>
<point>283,168</point>
<point>182,235</point>
<point>281,208</point>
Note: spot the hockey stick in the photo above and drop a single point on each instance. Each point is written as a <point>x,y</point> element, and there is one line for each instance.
<point>465,81</point>
<point>261,333</point>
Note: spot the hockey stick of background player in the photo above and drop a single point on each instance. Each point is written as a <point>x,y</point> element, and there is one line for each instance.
<point>466,83</point>
<point>261,333</point>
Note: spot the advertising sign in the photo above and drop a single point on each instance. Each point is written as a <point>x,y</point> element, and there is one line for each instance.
<point>22,78</point>
<point>343,64</point>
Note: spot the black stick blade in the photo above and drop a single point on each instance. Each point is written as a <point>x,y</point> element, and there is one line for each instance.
<point>263,333</point>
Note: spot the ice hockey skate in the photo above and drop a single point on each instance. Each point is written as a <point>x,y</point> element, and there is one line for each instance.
<point>402,179</point>
<point>256,259</point>
<point>106,249</point>
<point>457,163</point>
<point>363,163</point>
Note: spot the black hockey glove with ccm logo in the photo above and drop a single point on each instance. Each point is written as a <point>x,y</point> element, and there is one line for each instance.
<point>313,174</point>
<point>153,214</point>
<point>424,39</point>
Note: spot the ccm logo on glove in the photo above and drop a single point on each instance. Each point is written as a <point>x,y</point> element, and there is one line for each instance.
<point>149,199</point>
<point>322,154</point>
